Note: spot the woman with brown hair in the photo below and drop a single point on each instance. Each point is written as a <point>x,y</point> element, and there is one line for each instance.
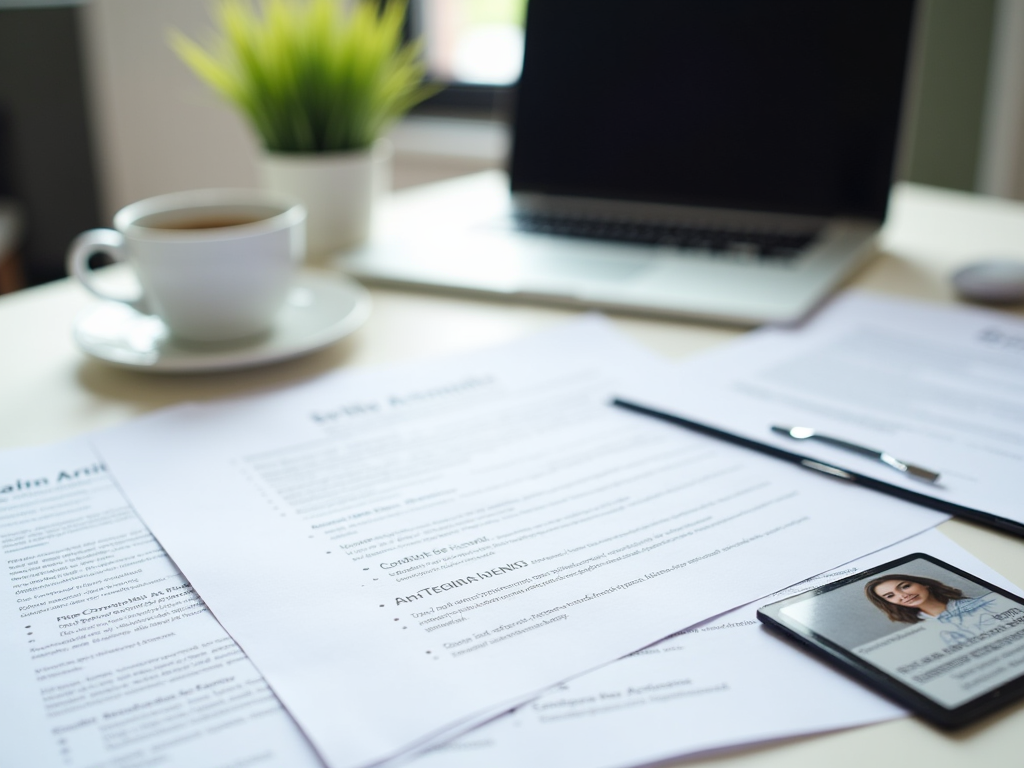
<point>910,599</point>
<point>905,598</point>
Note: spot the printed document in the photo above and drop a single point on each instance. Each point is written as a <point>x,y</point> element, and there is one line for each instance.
<point>401,552</point>
<point>725,683</point>
<point>108,658</point>
<point>938,386</point>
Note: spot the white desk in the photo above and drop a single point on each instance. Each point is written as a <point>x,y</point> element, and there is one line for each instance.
<point>50,391</point>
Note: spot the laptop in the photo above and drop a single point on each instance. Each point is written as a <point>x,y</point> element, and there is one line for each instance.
<point>725,160</point>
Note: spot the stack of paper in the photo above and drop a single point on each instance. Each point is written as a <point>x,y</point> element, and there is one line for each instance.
<point>406,553</point>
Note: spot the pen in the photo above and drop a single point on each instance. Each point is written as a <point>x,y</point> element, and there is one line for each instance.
<point>957,510</point>
<point>911,470</point>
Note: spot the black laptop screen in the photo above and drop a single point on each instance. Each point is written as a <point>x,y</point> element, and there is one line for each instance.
<point>778,105</point>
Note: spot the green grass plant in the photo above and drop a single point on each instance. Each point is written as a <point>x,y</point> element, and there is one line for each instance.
<point>312,75</point>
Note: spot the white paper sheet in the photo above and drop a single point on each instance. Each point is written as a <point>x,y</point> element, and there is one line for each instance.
<point>938,386</point>
<point>723,684</point>
<point>400,550</point>
<point>107,656</point>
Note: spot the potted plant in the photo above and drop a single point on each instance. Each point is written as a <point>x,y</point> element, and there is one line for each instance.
<point>320,81</point>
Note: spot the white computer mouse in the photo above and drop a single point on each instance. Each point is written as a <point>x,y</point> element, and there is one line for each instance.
<point>994,281</point>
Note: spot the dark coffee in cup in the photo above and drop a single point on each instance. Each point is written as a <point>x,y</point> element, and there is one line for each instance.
<point>205,224</point>
<point>218,218</point>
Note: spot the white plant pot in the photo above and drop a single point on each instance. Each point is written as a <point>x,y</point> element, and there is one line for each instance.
<point>338,189</point>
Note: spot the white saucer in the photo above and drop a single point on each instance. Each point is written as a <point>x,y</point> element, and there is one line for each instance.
<point>321,308</point>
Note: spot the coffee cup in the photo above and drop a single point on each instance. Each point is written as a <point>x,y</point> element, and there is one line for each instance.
<point>215,265</point>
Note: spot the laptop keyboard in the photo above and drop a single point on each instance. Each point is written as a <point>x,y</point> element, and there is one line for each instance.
<point>768,245</point>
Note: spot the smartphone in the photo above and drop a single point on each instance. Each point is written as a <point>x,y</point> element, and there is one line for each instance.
<point>941,642</point>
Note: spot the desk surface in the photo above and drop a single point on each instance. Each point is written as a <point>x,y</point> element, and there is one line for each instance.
<point>50,391</point>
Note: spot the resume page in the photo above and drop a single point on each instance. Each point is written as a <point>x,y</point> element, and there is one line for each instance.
<point>402,551</point>
<point>108,657</point>
<point>938,386</point>
<point>725,683</point>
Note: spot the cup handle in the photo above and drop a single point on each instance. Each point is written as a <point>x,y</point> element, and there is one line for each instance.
<point>111,243</point>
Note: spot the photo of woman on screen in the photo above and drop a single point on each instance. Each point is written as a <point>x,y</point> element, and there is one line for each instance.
<point>905,598</point>
<point>911,599</point>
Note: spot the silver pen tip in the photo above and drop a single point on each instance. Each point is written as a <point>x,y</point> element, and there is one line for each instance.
<point>921,472</point>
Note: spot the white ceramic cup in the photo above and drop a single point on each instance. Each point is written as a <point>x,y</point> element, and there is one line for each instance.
<point>215,264</point>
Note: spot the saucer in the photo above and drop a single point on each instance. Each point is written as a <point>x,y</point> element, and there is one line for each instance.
<point>321,308</point>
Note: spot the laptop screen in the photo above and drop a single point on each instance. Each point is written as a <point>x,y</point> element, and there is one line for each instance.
<point>774,105</point>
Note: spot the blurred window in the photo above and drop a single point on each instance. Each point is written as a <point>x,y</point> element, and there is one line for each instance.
<point>474,48</point>
<point>477,42</point>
